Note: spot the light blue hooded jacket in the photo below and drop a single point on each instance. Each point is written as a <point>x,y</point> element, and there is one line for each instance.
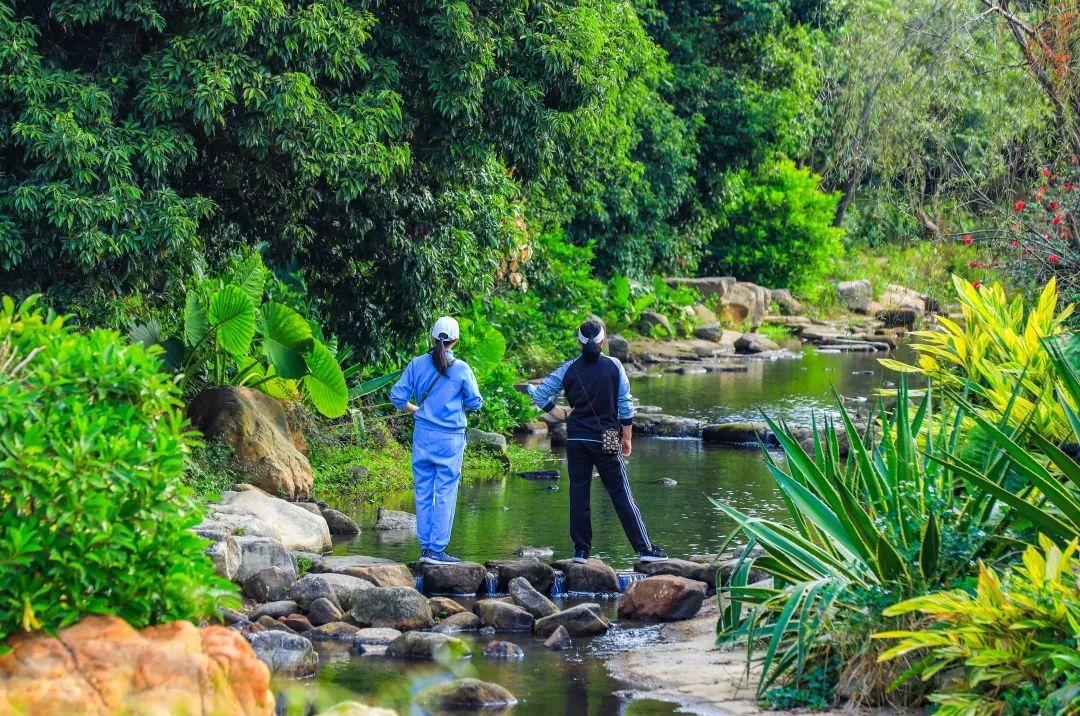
<point>444,408</point>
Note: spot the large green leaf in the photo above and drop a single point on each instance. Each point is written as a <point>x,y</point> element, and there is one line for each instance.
<point>232,315</point>
<point>487,352</point>
<point>196,325</point>
<point>325,382</point>
<point>286,339</point>
<point>251,277</point>
<point>373,385</point>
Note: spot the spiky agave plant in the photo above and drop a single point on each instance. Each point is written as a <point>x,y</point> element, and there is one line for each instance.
<point>887,523</point>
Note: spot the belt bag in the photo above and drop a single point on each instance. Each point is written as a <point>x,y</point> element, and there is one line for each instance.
<point>610,441</point>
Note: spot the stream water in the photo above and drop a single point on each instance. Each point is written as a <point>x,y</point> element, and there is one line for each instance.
<point>495,517</point>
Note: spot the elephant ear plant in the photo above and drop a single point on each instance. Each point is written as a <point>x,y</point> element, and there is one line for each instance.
<point>232,336</point>
<point>885,524</point>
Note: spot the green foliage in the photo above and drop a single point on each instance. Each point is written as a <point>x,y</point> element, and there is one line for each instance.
<point>776,230</point>
<point>222,318</point>
<point>1015,643</point>
<point>92,450</point>
<point>815,691</point>
<point>886,522</point>
<point>209,469</point>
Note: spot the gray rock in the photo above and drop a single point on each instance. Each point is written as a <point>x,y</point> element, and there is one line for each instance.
<point>342,563</point>
<point>456,623</point>
<point>271,624</point>
<point>503,650</point>
<point>259,553</point>
<point>707,286</point>
<point>665,482</point>
<point>308,562</point>
<point>462,578</point>
<point>783,298</point>
<point>376,636</point>
<point>297,622</point>
<point>226,556</point>
<point>286,654</point>
<point>333,631</point>
<point>697,571</point>
<point>426,645</point>
<point>492,442</point>
<point>557,434</point>
<point>669,426</point>
<point>529,599</point>
<point>580,620</point>
<point>442,607</point>
<point>592,577</point>
<point>276,609</point>
<point>213,531</point>
<point>345,587</point>
<point>559,640</point>
<point>299,529</point>
<point>654,324</point>
<point>323,611</point>
<point>269,585</point>
<point>751,343</point>
<point>857,296</point>
<point>401,608</point>
<point>466,695</point>
<point>619,348</point>
<point>538,574</point>
<point>311,587</point>
<point>502,616</point>
<point>357,473</point>
<point>394,521</point>
<point>662,598</point>
<point>744,303</point>
<point>339,523</point>
<point>535,552</point>
<point>309,506</point>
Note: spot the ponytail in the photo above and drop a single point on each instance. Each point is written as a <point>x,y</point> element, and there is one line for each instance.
<point>438,356</point>
<point>591,335</point>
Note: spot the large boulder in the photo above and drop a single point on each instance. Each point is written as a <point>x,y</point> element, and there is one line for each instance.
<point>401,608</point>
<point>345,587</point>
<point>461,578</point>
<point>529,599</point>
<point>783,298</point>
<point>269,585</point>
<point>395,521</point>
<point>285,654</point>
<point>668,426</point>
<point>466,696</point>
<point>339,523</point>
<point>619,348</point>
<point>501,616</point>
<point>383,575</point>
<point>256,428</point>
<point>311,587</point>
<point>481,440</point>
<point>538,574</point>
<point>707,286</point>
<point>299,529</point>
<point>591,577</point>
<point>425,645</point>
<point>857,296</point>
<point>755,343</point>
<point>579,620</point>
<point>745,303</point>
<point>662,598</point>
<point>654,324</point>
<point>259,553</point>
<point>226,557</point>
<point>697,571</point>
<point>101,666</point>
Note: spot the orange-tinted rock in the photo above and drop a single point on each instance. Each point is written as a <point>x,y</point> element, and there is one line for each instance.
<point>662,598</point>
<point>101,665</point>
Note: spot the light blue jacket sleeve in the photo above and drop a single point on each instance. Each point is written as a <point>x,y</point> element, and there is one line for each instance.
<point>544,395</point>
<point>403,389</point>
<point>470,391</point>
<point>626,401</point>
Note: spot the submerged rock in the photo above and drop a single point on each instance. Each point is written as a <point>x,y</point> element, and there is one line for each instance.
<point>669,426</point>
<point>529,599</point>
<point>503,650</point>
<point>286,654</point>
<point>425,645</point>
<point>580,620</point>
<point>395,521</point>
<point>540,475</point>
<point>559,639</point>
<point>355,708</point>
<point>662,598</point>
<point>455,623</point>
<point>401,608</point>
<point>465,695</point>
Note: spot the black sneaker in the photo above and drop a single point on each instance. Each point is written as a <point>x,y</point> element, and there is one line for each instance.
<point>433,557</point>
<point>581,556</point>
<point>653,554</point>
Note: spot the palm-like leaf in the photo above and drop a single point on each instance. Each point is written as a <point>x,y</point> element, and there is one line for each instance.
<point>196,324</point>
<point>325,382</point>
<point>232,316</point>
<point>375,384</point>
<point>250,275</point>
<point>286,339</point>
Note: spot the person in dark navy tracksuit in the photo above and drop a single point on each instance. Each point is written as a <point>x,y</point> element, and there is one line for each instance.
<point>598,392</point>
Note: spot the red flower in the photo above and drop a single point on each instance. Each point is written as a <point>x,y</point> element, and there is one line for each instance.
<point>682,262</point>
<point>976,284</point>
<point>1019,206</point>
<point>1046,172</point>
<point>968,240</point>
<point>1068,186</point>
<point>1053,205</point>
<point>1043,188</point>
<point>971,264</point>
<point>1015,242</point>
<point>1056,221</point>
<point>1053,258</point>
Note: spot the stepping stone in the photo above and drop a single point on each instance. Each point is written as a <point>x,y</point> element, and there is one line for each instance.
<point>662,598</point>
<point>592,577</point>
<point>529,599</point>
<point>466,695</point>
<point>443,607</point>
<point>580,620</point>
<point>425,645</point>
<point>455,623</point>
<point>540,575</point>
<point>502,616</point>
<point>401,608</point>
<point>463,578</point>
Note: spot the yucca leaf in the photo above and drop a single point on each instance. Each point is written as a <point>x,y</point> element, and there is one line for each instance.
<point>931,545</point>
<point>820,514</point>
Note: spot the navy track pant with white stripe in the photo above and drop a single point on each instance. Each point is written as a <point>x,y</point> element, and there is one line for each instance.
<point>581,456</point>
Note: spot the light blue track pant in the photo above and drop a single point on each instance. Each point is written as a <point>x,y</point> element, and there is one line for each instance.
<point>436,465</point>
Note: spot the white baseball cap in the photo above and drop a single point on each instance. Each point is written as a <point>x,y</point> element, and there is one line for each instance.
<point>446,329</point>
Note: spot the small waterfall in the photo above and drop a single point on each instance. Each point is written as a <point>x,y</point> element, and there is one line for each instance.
<point>419,583</point>
<point>628,578</point>
<point>492,584</point>
<point>558,585</point>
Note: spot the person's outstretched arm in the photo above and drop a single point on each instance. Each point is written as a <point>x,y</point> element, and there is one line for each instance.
<point>403,390</point>
<point>544,395</point>
<point>626,411</point>
<point>470,398</point>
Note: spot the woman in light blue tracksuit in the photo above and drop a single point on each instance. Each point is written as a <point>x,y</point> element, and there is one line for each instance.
<point>444,388</point>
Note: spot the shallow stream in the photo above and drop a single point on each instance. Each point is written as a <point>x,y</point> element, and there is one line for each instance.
<point>495,517</point>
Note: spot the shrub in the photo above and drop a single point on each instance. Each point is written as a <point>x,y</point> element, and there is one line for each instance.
<point>776,230</point>
<point>95,514</point>
<point>1014,645</point>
